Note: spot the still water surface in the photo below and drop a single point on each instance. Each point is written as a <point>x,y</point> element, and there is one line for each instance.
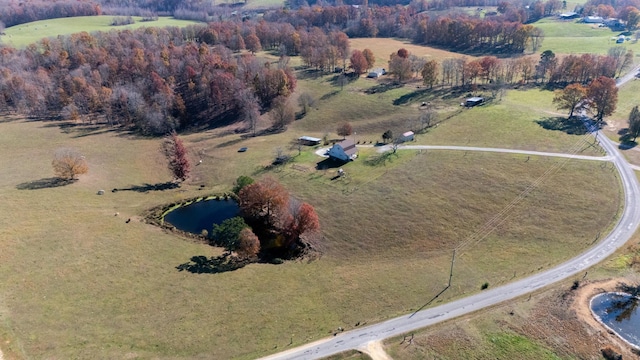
<point>620,313</point>
<point>201,215</point>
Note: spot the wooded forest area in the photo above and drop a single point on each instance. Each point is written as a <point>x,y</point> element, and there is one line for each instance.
<point>159,80</point>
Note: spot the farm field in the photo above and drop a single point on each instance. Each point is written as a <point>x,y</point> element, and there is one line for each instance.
<point>382,48</point>
<point>25,34</point>
<point>81,282</point>
<point>570,37</point>
<point>260,4</point>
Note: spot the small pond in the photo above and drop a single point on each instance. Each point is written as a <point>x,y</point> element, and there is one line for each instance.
<point>201,215</point>
<point>619,312</point>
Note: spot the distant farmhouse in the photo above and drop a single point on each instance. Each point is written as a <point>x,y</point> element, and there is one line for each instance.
<point>569,15</point>
<point>376,73</point>
<point>473,101</point>
<point>593,20</point>
<point>343,151</point>
<point>615,24</point>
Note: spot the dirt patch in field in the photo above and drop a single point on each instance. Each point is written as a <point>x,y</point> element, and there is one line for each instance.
<point>564,322</point>
<point>557,322</point>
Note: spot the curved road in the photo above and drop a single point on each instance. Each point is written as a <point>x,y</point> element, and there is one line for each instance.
<point>622,232</point>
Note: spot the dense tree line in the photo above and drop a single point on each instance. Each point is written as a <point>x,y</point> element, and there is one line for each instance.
<point>456,32</point>
<point>497,72</point>
<point>155,80</point>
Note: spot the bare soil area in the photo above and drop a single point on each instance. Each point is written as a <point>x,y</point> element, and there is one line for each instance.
<point>556,323</point>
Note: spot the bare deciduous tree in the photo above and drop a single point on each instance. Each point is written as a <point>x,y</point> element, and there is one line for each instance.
<point>282,114</point>
<point>306,101</point>
<point>427,118</point>
<point>248,244</point>
<point>69,163</point>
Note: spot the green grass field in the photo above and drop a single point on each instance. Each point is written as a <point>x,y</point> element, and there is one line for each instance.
<point>25,34</point>
<point>259,4</point>
<point>570,37</point>
<point>81,282</point>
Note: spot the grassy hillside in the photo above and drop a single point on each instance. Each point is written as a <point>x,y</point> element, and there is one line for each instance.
<point>83,283</point>
<point>571,37</point>
<point>25,34</point>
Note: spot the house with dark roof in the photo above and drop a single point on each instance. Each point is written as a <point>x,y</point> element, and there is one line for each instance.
<point>473,101</point>
<point>569,15</point>
<point>343,151</point>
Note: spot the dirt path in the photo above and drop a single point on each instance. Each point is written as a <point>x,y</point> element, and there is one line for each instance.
<point>374,349</point>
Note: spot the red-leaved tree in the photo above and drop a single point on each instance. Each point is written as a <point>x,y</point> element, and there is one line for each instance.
<point>176,153</point>
<point>358,62</point>
<point>264,201</point>
<point>302,219</point>
<point>344,130</point>
<point>603,96</point>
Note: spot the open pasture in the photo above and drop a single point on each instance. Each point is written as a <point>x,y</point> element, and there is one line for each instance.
<point>25,34</point>
<point>382,48</point>
<point>571,37</point>
<point>81,282</point>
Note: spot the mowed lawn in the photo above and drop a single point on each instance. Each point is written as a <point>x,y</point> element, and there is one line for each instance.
<point>25,34</point>
<point>81,282</point>
<point>571,37</point>
<point>515,121</point>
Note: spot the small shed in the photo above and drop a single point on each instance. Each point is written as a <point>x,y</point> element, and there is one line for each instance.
<point>376,73</point>
<point>593,20</point>
<point>408,136</point>
<point>569,15</point>
<point>343,151</point>
<point>473,101</point>
<point>309,141</point>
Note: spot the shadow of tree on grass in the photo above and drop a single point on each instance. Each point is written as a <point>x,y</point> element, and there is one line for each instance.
<point>45,183</point>
<point>626,140</point>
<point>203,265</point>
<point>573,126</point>
<point>383,87</point>
<point>150,187</point>
<point>380,159</point>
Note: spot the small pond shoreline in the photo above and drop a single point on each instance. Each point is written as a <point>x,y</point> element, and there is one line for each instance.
<point>599,319</point>
<point>156,215</point>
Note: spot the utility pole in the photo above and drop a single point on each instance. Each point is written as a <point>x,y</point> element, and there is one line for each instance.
<point>451,271</point>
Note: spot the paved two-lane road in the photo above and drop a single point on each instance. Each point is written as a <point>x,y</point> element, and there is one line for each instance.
<point>622,232</point>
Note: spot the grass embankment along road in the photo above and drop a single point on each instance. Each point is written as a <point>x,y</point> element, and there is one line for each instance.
<point>25,34</point>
